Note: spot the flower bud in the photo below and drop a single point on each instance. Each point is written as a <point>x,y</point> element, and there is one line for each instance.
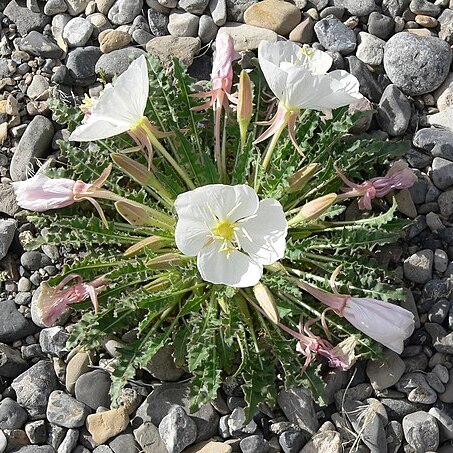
<point>266,301</point>
<point>245,104</point>
<point>313,209</point>
<point>141,215</point>
<point>132,168</point>
<point>153,243</point>
<point>302,176</point>
<point>166,261</point>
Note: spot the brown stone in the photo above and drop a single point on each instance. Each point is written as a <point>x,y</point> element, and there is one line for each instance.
<point>426,21</point>
<point>324,442</point>
<point>78,365</point>
<point>112,40</point>
<point>275,15</point>
<point>303,32</point>
<point>165,48</point>
<point>105,425</point>
<point>210,447</point>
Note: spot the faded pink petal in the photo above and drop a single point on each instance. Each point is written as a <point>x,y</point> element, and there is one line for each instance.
<point>222,66</point>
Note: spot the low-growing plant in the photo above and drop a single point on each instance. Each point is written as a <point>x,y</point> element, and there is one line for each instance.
<point>251,318</point>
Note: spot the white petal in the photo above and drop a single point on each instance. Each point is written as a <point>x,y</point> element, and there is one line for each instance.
<point>191,236</point>
<point>265,235</point>
<point>119,107</point>
<point>317,61</point>
<point>217,200</point>
<point>234,269</point>
<point>269,59</point>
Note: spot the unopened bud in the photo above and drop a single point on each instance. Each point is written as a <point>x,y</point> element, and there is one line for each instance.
<point>153,243</point>
<point>245,104</point>
<point>141,215</point>
<point>313,209</point>
<point>266,301</point>
<point>166,261</point>
<point>302,176</point>
<point>132,168</point>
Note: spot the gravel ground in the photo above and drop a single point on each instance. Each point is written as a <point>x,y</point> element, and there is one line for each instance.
<point>55,400</point>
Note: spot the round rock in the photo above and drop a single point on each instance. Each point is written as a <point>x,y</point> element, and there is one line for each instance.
<point>416,64</point>
<point>418,267</point>
<point>12,416</point>
<point>93,388</point>
<point>357,7</point>
<point>386,372</point>
<point>182,24</point>
<point>117,61</point>
<point>335,36</point>
<point>64,410</point>
<point>421,431</point>
<point>81,65</point>
<point>125,11</point>
<point>77,32</point>
<point>177,430</point>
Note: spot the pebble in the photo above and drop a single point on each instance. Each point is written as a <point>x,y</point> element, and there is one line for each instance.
<point>53,7</point>
<point>117,61</point>
<point>292,441</point>
<point>124,11</point>
<point>247,37</point>
<point>158,22</point>
<point>112,40</point>
<point>207,29</point>
<point>218,11</point>
<point>424,7</point>
<point>394,111</point>
<point>13,324</point>
<point>105,425</point>
<point>38,88</point>
<point>12,416</point>
<point>33,145</point>
<point>369,86</point>
<point>335,36</point>
<point>53,341</point>
<point>416,64</point>
<point>324,442</point>
<point>162,366</point>
<point>7,232</point>
<point>69,441</point>
<point>421,431</point>
<point>76,7</point>
<point>418,267</point>
<point>124,443</point>
<point>297,405</point>
<point>64,410</point>
<point>275,15</point>
<point>426,21</point>
<point>380,25</point>
<point>177,430</point>
<point>164,48</point>
<point>444,422</point>
<point>210,447</point>
<point>357,7</point>
<point>148,437</point>
<point>370,49</point>
<point>36,431</point>
<point>34,386</point>
<point>237,423</point>
<point>25,19</point>
<point>303,32</point>
<point>77,32</point>
<point>182,24</point>
<point>386,372</point>
<point>81,65</point>
<point>92,388</point>
<point>11,362</point>
<point>447,396</point>
<point>193,6</point>
<point>446,203</point>
<point>254,444</point>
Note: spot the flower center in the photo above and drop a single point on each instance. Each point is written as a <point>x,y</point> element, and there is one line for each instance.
<point>139,125</point>
<point>224,229</point>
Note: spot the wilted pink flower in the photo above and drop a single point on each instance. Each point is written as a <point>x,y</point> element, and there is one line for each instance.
<point>384,322</point>
<point>52,302</point>
<point>222,79</point>
<point>398,177</point>
<point>309,344</point>
<point>42,193</point>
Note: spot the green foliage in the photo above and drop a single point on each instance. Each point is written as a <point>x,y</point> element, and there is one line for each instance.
<point>216,331</point>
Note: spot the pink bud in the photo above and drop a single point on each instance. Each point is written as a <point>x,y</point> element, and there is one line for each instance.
<point>222,66</point>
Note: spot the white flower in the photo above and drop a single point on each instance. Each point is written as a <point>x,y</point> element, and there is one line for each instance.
<point>231,232</point>
<point>298,77</point>
<point>120,107</point>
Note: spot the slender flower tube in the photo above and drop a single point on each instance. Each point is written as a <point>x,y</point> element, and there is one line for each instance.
<point>42,193</point>
<point>231,232</point>
<point>51,302</point>
<point>384,322</point>
<point>222,79</point>
<point>398,177</point>
<point>298,78</point>
<point>244,104</point>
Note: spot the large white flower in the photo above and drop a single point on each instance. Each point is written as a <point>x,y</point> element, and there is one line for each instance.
<point>298,78</point>
<point>231,232</point>
<point>120,107</point>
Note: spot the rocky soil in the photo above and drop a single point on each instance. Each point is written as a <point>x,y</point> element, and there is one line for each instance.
<point>55,400</point>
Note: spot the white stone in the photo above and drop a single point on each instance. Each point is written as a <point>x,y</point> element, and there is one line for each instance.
<point>77,32</point>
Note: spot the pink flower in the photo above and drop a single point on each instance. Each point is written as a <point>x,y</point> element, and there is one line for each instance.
<point>42,193</point>
<point>51,303</point>
<point>398,177</point>
<point>310,344</point>
<point>221,79</point>
<point>384,322</point>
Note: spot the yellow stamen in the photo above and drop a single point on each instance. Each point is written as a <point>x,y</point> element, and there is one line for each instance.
<point>225,230</point>
<point>139,124</point>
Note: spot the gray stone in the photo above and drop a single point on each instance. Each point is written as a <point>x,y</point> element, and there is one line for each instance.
<point>421,431</point>
<point>292,441</point>
<point>93,388</point>
<point>8,203</point>
<point>397,409</point>
<point>394,432</point>
<point>437,141</point>
<point>445,202</point>
<point>416,64</point>
<point>35,449</point>
<point>435,383</point>
<point>418,267</point>
<point>53,342</point>
<point>141,37</point>
<point>442,172</point>
<point>394,111</point>
<point>36,431</point>
<point>13,325</point>
<point>11,362</point>
<point>125,11</point>
<point>236,9</point>
<point>447,396</point>
<point>297,405</point>
<point>81,65</point>
<point>254,444</point>
<point>75,7</point>
<point>218,11</point>
<point>25,19</point>
<point>444,421</point>
<point>64,410</point>
<point>247,37</point>
<point>182,24</point>
<point>177,430</point>
<point>33,145</point>
<point>37,44</point>
<point>369,86</point>
<point>424,7</point>
<point>207,29</point>
<point>148,437</point>
<point>158,22</point>
<point>439,311</point>
<point>53,7</point>
<point>357,7</point>
<point>165,48</point>
<point>124,443</point>
<point>193,6</point>
<point>39,88</point>
<point>386,372</point>
<point>335,36</point>
<point>422,395</point>
<point>56,434</point>
<point>380,25</point>
<point>441,372</point>
<point>100,23</point>
<point>34,386</point>
<point>77,32</point>
<point>237,423</point>
<point>117,61</point>
<point>12,416</point>
<point>69,441</point>
<point>394,7</point>
<point>34,260</point>
<point>370,49</point>
<point>7,232</point>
